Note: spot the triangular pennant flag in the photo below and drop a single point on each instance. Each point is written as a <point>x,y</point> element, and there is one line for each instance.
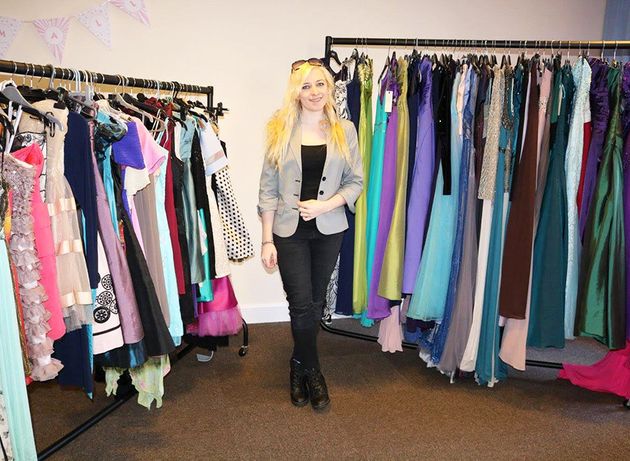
<point>54,31</point>
<point>96,20</point>
<point>9,28</point>
<point>134,8</point>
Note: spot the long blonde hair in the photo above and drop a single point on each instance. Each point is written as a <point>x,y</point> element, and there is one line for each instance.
<point>283,121</point>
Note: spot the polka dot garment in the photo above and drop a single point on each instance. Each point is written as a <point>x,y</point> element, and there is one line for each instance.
<point>237,238</point>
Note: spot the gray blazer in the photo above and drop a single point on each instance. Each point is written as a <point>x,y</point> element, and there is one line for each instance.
<point>280,187</point>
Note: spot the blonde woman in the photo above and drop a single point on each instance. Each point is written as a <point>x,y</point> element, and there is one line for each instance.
<point>312,169</point>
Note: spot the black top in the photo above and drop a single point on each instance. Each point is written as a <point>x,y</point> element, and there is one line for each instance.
<point>313,159</point>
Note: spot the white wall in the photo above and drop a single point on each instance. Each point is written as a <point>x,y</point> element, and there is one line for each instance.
<point>245,48</point>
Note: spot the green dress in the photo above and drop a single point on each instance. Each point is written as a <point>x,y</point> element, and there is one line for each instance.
<point>359,279</point>
<point>601,298</point>
<point>546,318</point>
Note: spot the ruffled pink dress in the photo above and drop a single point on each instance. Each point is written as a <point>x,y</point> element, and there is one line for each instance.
<point>44,243</point>
<point>23,181</point>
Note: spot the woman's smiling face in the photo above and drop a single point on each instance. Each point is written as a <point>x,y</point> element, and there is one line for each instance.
<point>314,92</point>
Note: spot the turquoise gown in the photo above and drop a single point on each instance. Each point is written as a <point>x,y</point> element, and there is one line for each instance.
<point>429,298</point>
<point>374,193</point>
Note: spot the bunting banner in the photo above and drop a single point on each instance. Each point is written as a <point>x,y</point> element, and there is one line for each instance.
<point>134,8</point>
<point>54,31</point>
<point>96,20</point>
<point>9,28</point>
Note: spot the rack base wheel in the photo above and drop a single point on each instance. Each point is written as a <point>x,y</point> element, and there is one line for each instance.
<point>627,404</point>
<point>242,352</point>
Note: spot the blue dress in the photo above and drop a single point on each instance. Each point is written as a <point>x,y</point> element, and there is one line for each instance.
<point>431,287</point>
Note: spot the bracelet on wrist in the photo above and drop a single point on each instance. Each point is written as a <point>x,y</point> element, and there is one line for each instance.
<point>266,242</point>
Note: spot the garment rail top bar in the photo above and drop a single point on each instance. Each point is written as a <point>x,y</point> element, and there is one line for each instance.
<point>519,44</point>
<point>48,70</point>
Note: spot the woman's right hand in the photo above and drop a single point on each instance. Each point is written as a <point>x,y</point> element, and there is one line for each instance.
<point>269,255</point>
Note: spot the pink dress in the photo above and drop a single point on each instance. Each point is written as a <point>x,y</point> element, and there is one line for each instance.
<point>44,244</point>
<point>611,374</point>
<point>219,317</point>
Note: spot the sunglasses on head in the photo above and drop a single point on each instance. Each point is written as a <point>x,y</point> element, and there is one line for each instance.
<point>312,61</point>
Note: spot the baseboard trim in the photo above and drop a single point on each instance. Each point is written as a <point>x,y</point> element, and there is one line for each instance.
<point>271,313</point>
<point>265,313</point>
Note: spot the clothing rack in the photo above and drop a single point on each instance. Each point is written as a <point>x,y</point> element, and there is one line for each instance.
<point>330,42</point>
<point>86,76</point>
<point>459,43</point>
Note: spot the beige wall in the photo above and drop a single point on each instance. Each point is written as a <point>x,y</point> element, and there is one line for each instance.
<point>244,49</point>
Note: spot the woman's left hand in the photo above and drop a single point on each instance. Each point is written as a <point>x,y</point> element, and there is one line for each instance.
<point>311,209</point>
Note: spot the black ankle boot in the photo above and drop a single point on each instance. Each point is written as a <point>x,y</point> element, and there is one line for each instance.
<point>297,379</point>
<point>317,389</point>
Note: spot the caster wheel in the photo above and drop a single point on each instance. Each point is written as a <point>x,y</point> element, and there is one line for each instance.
<point>243,351</point>
<point>627,404</point>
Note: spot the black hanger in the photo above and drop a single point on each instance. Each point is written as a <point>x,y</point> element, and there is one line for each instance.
<point>333,54</point>
<point>6,123</point>
<point>11,93</point>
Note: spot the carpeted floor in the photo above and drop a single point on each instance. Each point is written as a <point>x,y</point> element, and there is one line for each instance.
<point>384,406</point>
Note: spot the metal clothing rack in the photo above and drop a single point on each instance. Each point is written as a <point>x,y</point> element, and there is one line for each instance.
<point>88,76</point>
<point>460,43</point>
<point>38,70</point>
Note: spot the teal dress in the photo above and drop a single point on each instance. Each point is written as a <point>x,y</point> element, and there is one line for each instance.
<point>546,316</point>
<point>374,193</point>
<point>12,384</point>
<point>489,368</point>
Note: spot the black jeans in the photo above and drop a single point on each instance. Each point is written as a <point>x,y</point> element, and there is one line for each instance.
<point>306,261</point>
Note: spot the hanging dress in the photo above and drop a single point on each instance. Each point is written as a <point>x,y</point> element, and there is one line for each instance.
<point>462,244</point>
<point>345,270</point>
<point>153,157</point>
<point>625,88</point>
<point>359,279</point>
<point>546,318</point>
<point>34,134</point>
<point>582,77</point>
<point>374,193</point>
<point>487,192</point>
<point>451,344</point>
<point>78,147</point>
<point>611,374</point>
<point>431,287</point>
<point>175,326</point>
<point>15,415</point>
<point>378,306</point>
<point>488,368</point>
<point>390,284</point>
<point>601,309</point>
<point>420,197</point>
<point>600,115</point>
<point>132,353</point>
<point>333,304</point>
<point>22,179</point>
<point>72,275</point>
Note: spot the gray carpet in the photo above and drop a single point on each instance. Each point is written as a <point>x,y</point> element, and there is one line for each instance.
<point>384,406</point>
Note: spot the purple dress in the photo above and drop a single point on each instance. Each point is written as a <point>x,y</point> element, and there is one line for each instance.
<point>600,112</point>
<point>421,186</point>
<point>379,307</point>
